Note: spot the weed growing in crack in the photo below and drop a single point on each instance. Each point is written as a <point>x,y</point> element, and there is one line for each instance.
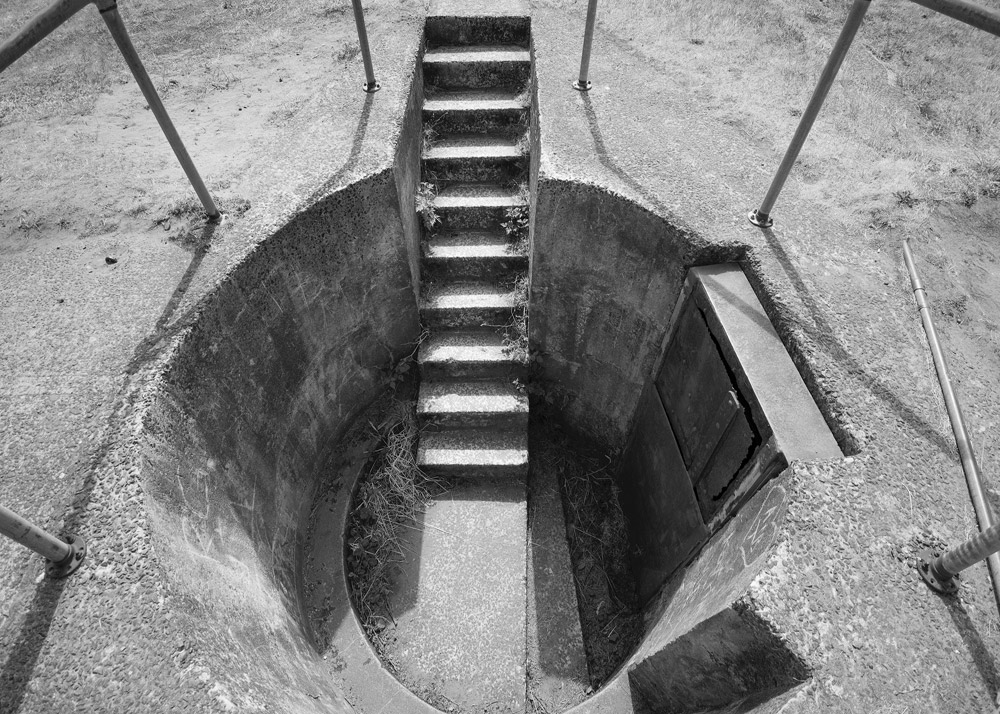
<point>424,203</point>
<point>389,498</point>
<point>516,221</point>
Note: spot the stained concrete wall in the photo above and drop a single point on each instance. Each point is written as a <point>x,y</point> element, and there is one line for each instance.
<point>605,276</point>
<point>285,352</point>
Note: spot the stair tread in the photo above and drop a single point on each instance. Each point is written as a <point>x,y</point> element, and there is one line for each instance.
<point>476,53</point>
<point>472,244</point>
<point>458,100</point>
<point>466,397</point>
<point>475,146</point>
<point>473,447</point>
<point>467,346</point>
<point>479,195</point>
<point>457,295</point>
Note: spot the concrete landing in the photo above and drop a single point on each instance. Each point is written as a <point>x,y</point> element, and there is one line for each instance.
<point>557,662</point>
<point>459,600</point>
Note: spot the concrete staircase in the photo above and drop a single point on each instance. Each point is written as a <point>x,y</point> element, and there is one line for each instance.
<point>460,606</point>
<point>476,76</point>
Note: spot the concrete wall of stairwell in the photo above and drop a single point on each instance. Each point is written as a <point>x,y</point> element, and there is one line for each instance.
<point>283,355</point>
<point>605,277</point>
<point>407,171</point>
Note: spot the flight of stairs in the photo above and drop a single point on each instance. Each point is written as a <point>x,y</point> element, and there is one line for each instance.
<point>459,604</point>
<point>476,156</point>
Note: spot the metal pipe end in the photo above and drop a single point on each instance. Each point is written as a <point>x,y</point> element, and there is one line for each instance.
<point>66,566</point>
<point>759,219</point>
<point>582,86</point>
<point>934,577</point>
<point>371,87</point>
<point>217,220</point>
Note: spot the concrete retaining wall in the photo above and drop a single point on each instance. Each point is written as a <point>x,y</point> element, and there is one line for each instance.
<point>605,276</point>
<point>285,352</point>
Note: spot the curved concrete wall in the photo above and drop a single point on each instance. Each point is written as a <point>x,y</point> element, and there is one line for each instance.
<point>284,353</point>
<point>605,276</point>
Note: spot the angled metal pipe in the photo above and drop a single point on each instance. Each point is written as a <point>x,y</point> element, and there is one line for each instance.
<point>762,216</point>
<point>64,556</point>
<point>973,479</point>
<point>371,85</point>
<point>109,13</point>
<point>583,84</point>
<point>37,28</point>
<point>982,18</point>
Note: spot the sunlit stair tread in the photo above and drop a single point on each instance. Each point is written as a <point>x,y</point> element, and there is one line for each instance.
<point>471,295</point>
<point>476,53</point>
<point>472,346</point>
<point>475,100</point>
<point>457,245</point>
<point>467,397</point>
<point>475,147</point>
<point>478,195</point>
<point>473,447</point>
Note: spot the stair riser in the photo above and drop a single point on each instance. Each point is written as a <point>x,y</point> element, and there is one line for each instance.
<point>506,123</point>
<point>464,317</point>
<point>451,31</point>
<point>472,218</point>
<point>473,268</point>
<point>477,420</point>
<point>477,75</point>
<point>495,170</point>
<point>470,371</point>
<point>475,471</point>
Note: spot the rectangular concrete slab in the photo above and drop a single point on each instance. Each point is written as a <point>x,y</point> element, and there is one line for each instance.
<point>756,353</point>
<point>459,600</point>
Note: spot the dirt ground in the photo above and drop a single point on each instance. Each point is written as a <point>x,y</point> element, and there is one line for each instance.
<point>908,146</point>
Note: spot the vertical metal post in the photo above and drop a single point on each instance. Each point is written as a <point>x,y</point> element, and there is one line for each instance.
<point>583,84</point>
<point>109,11</point>
<point>970,467</point>
<point>370,85</point>
<point>762,216</point>
<point>64,557</point>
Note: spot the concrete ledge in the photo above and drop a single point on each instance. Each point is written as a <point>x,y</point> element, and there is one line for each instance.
<point>761,363</point>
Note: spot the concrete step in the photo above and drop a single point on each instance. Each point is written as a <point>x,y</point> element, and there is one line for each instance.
<point>450,30</point>
<point>470,354</point>
<point>474,453</point>
<point>497,112</point>
<point>477,66</point>
<point>459,599</point>
<point>475,205</point>
<point>492,404</point>
<point>472,255</point>
<point>472,304</point>
<point>476,157</point>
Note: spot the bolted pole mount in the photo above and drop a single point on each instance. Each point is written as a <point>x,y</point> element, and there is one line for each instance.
<point>760,219</point>
<point>72,561</point>
<point>937,579</point>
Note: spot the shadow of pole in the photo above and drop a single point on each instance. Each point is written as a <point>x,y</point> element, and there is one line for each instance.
<point>23,654</point>
<point>822,332</point>
<point>352,159</point>
<point>985,664</point>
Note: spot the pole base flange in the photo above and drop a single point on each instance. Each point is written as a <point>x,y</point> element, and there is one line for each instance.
<point>78,551</point>
<point>945,587</point>
<point>761,220</point>
<point>371,87</point>
<point>584,87</point>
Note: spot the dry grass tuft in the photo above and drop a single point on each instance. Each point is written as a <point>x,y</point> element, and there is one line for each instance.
<point>388,499</point>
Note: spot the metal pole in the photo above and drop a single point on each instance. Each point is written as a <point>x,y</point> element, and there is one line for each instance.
<point>979,17</point>
<point>109,11</point>
<point>762,216</point>
<point>973,480</point>
<point>370,84</point>
<point>583,84</point>
<point>38,28</point>
<point>64,557</point>
<point>940,571</point>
